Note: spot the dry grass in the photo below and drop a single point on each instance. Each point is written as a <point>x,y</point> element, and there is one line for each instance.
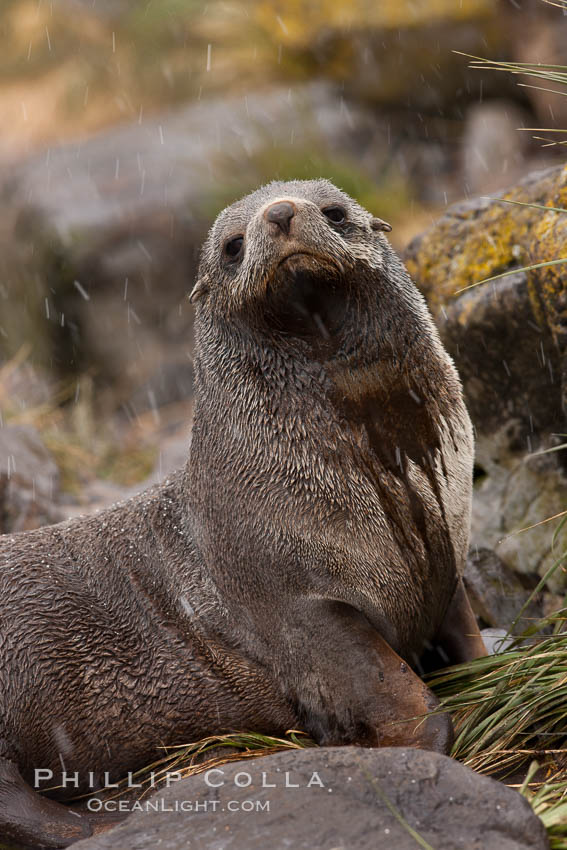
<point>215,750</point>
<point>82,447</point>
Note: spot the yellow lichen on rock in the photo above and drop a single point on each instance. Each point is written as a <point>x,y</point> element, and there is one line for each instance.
<point>548,286</point>
<point>476,240</point>
<point>297,22</point>
<point>508,338</point>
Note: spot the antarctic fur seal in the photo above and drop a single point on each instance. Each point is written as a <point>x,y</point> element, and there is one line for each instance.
<point>293,571</point>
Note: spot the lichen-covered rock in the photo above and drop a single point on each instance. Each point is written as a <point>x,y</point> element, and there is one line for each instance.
<point>479,238</point>
<point>389,52</point>
<point>548,287</point>
<point>509,341</point>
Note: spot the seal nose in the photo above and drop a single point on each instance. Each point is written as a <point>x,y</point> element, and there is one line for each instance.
<point>281,214</point>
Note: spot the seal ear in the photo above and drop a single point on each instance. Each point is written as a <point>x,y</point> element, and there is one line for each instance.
<point>379,224</point>
<point>201,288</point>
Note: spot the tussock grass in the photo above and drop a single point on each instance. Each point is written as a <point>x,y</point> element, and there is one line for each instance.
<point>554,75</point>
<point>510,717</point>
<point>191,759</point>
<point>511,708</point>
<point>549,802</point>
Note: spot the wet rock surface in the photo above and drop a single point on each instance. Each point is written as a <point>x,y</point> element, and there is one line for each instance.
<point>344,797</point>
<point>508,340</point>
<point>497,593</point>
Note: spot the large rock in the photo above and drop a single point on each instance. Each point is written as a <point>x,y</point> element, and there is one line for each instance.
<point>509,341</point>
<point>101,237</point>
<point>391,52</point>
<point>335,799</point>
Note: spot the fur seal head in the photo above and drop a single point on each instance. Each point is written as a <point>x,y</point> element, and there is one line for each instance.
<point>282,256</point>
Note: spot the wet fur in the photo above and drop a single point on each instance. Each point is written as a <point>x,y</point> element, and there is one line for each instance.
<point>325,502</point>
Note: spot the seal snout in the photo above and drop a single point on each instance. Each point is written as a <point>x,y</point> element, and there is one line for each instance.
<point>280,214</point>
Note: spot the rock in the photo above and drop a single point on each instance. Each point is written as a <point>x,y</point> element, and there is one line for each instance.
<point>509,341</point>
<point>520,491</point>
<point>29,480</point>
<point>496,640</point>
<point>482,237</point>
<point>493,148</point>
<point>391,52</point>
<point>507,360</point>
<point>344,797</point>
<point>102,236</point>
<point>497,593</point>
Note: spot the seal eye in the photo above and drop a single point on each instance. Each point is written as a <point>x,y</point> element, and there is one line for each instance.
<point>233,248</point>
<point>335,214</point>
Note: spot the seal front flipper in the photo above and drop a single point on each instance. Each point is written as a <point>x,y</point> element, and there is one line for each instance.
<point>32,820</point>
<point>459,636</point>
<point>359,691</point>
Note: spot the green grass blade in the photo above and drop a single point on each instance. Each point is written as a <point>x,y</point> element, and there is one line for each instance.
<point>513,271</point>
<point>524,204</point>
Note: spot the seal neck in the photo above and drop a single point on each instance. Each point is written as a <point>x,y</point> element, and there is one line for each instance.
<point>265,391</point>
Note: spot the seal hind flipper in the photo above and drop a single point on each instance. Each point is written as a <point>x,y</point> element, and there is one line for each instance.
<point>459,636</point>
<point>361,691</point>
<point>32,820</point>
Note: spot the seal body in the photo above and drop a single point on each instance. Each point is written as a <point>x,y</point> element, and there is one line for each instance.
<point>331,419</point>
<point>298,566</point>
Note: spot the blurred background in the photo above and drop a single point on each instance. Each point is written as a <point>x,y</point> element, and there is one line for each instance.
<point>126,126</point>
